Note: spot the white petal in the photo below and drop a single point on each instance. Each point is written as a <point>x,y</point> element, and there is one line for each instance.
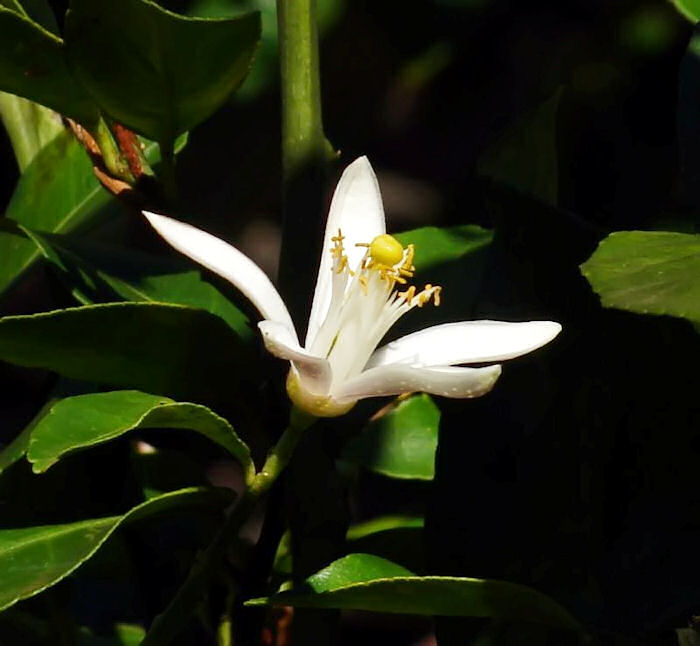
<point>225,260</point>
<point>314,372</point>
<point>393,379</point>
<point>466,342</point>
<point>356,209</point>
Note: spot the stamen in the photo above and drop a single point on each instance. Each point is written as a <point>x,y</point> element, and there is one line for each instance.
<point>364,308</point>
<point>338,252</point>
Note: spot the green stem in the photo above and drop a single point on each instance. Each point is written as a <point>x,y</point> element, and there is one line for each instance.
<point>281,453</point>
<point>304,154</point>
<point>175,617</point>
<point>302,126</point>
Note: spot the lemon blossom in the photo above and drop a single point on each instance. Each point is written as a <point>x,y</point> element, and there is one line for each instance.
<point>361,291</point>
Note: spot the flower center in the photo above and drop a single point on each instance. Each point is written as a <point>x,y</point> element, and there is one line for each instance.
<point>386,250</point>
<point>365,302</point>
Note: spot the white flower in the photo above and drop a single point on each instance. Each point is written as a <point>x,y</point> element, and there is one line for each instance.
<point>360,293</point>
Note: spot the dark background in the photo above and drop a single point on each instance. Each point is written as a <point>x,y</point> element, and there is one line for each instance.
<point>579,473</point>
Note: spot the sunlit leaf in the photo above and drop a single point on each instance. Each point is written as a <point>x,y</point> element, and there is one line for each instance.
<point>397,538</point>
<point>367,582</point>
<point>690,9</point>
<point>30,126</point>
<point>648,272</point>
<point>57,193</point>
<point>157,72</point>
<point>400,443</point>
<point>84,421</point>
<point>438,245</point>
<point>35,558</point>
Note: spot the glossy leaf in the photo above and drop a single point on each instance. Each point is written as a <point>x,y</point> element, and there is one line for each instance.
<point>33,65</point>
<point>525,157</point>
<point>157,72</point>
<point>690,9</point>
<point>401,443</point>
<point>35,558</point>
<point>366,582</point>
<point>358,531</point>
<point>80,422</point>
<point>97,272</point>
<point>170,349</point>
<point>397,538</point>
<point>57,193</point>
<point>648,272</point>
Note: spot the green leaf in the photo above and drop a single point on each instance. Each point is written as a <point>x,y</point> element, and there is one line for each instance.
<point>525,157</point>
<point>57,193</point>
<point>436,246</point>
<point>122,635</point>
<point>397,538</point>
<point>454,258</point>
<point>366,582</point>
<point>690,9</point>
<point>648,272</point>
<point>128,634</point>
<point>178,351</point>
<point>96,272</point>
<point>157,72</point>
<point>33,65</point>
<point>381,524</point>
<point>80,422</point>
<point>401,443</point>
<point>35,558</point>
<point>29,126</point>
<point>17,449</point>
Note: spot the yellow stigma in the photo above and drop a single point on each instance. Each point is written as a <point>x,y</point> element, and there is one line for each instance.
<point>386,250</point>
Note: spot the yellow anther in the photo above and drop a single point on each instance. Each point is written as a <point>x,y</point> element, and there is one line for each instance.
<point>386,250</point>
<point>408,294</point>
